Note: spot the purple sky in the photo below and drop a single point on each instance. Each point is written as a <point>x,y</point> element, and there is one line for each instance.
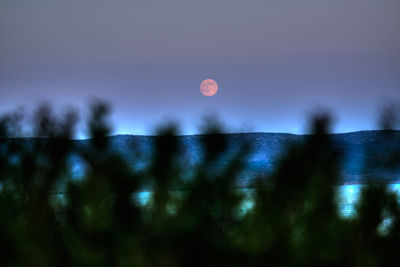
<point>275,61</point>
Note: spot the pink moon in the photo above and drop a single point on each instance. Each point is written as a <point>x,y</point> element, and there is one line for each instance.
<point>209,87</point>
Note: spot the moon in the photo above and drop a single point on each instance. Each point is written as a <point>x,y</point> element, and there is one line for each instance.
<point>208,87</point>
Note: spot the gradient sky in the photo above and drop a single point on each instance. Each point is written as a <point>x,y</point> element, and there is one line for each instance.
<point>275,61</point>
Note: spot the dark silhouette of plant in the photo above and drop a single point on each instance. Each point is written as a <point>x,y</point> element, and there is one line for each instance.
<point>50,217</point>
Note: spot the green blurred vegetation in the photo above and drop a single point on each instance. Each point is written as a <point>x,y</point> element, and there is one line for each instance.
<point>96,221</point>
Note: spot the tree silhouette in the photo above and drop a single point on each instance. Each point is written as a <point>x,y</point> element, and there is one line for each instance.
<point>49,217</point>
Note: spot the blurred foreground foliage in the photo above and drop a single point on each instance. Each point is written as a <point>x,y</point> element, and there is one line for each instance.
<point>96,221</point>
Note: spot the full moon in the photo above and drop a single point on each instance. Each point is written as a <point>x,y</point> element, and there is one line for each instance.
<point>209,87</point>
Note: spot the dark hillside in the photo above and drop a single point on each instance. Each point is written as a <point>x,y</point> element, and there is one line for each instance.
<point>360,151</point>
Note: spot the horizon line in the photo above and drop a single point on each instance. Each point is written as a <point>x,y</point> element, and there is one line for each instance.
<point>202,134</point>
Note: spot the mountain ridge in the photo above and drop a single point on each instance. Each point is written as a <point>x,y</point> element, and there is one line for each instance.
<point>361,150</point>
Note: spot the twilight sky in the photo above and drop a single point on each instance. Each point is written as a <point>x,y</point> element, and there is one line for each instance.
<point>275,61</point>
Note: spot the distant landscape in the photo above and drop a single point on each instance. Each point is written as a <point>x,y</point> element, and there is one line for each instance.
<point>360,152</point>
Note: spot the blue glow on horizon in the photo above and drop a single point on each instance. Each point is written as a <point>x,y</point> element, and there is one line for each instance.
<point>347,199</point>
<point>143,198</point>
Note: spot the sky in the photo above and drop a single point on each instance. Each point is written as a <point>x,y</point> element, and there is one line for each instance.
<point>276,62</point>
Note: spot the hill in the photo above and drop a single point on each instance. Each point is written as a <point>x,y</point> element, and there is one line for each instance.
<point>360,152</point>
